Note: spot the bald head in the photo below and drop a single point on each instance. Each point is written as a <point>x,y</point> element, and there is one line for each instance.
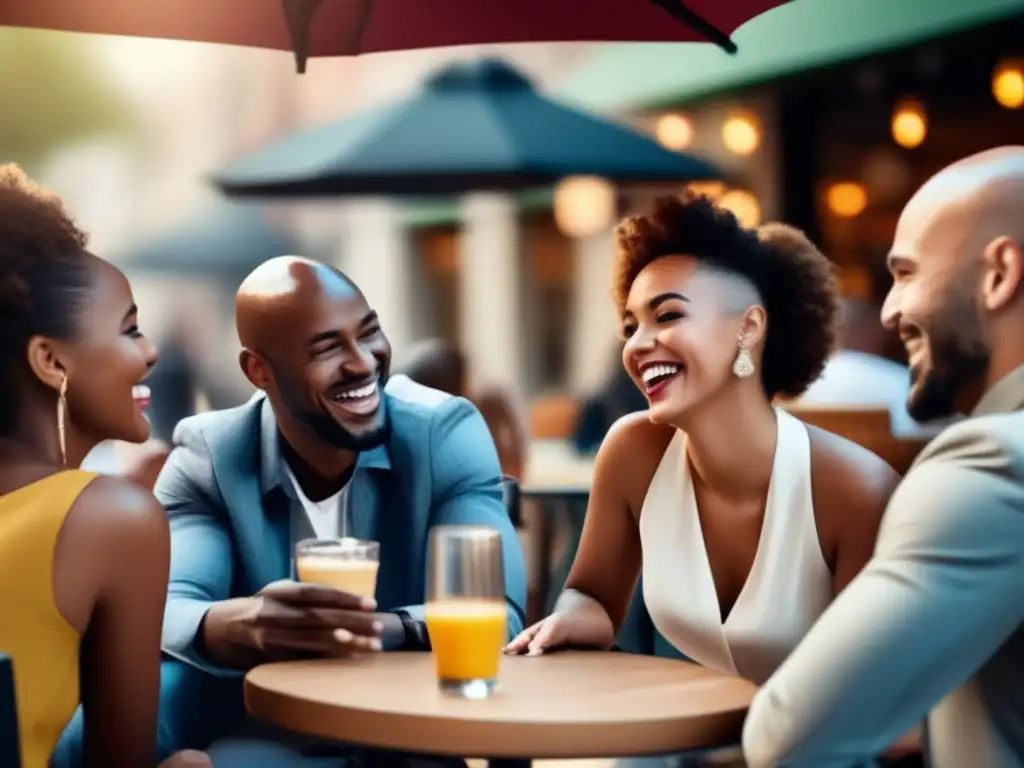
<point>957,263</point>
<point>974,201</point>
<point>280,290</point>
<point>314,345</point>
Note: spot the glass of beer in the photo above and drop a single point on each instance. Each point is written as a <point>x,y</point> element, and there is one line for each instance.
<point>348,565</point>
<point>465,610</point>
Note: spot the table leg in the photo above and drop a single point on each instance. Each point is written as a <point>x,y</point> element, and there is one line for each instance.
<point>545,555</point>
<point>509,762</point>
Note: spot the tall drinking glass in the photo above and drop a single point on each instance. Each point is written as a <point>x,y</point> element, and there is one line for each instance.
<point>465,610</point>
<point>349,565</point>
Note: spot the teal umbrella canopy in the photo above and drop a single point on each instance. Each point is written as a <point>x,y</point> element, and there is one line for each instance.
<point>229,241</point>
<point>472,126</point>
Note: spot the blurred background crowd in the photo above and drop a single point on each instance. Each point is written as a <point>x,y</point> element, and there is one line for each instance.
<point>831,116</point>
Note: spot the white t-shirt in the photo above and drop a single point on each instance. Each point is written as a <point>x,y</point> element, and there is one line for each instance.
<point>324,516</point>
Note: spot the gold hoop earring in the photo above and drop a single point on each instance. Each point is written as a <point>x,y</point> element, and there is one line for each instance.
<point>62,408</point>
<point>743,365</point>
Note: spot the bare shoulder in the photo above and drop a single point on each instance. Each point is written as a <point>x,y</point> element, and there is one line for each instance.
<point>114,509</point>
<point>636,435</point>
<point>848,480</point>
<point>630,454</point>
<point>844,470</point>
<point>115,533</point>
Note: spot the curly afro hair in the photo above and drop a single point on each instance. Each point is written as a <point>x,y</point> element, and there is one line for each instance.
<point>45,278</point>
<point>795,280</point>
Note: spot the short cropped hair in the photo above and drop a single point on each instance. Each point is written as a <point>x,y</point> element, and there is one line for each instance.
<point>795,281</point>
<point>45,278</point>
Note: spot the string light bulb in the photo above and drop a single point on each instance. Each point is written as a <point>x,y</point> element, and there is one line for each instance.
<point>909,124</point>
<point>1008,84</point>
<point>674,131</point>
<point>741,133</point>
<point>846,199</point>
<point>584,205</point>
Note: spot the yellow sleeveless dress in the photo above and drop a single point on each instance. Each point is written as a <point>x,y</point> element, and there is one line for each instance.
<point>42,645</point>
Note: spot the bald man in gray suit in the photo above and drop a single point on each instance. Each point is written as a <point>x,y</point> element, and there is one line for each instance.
<point>933,627</point>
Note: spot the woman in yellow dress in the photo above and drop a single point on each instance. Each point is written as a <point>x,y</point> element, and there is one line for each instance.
<point>83,576</point>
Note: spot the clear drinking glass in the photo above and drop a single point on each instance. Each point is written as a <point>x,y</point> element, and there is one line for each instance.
<point>465,610</point>
<point>348,565</point>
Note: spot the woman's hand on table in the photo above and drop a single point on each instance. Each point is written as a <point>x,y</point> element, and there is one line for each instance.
<point>289,620</point>
<point>587,627</point>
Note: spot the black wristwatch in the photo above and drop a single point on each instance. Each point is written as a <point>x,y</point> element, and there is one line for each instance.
<point>416,636</point>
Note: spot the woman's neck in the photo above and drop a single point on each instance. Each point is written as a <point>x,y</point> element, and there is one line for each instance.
<point>731,441</point>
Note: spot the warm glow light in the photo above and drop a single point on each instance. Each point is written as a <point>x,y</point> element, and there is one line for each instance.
<point>1008,84</point>
<point>741,134</point>
<point>674,132</point>
<point>909,124</point>
<point>846,199</point>
<point>584,205</point>
<point>744,206</point>
<point>713,190</point>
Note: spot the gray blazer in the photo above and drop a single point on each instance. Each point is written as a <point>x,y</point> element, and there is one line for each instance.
<point>933,627</point>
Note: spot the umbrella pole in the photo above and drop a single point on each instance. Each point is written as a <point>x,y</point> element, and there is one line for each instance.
<point>299,16</point>
<point>680,12</point>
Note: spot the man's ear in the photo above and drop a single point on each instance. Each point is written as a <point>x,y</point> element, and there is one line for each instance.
<point>255,368</point>
<point>1003,272</point>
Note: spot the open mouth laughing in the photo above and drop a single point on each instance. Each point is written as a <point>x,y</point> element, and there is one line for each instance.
<point>360,399</point>
<point>657,375</point>
<point>141,395</point>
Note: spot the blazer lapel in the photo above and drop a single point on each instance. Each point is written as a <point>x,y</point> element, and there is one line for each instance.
<point>364,495</point>
<point>259,510</point>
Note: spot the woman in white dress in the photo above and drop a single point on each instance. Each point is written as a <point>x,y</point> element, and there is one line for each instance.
<point>743,521</point>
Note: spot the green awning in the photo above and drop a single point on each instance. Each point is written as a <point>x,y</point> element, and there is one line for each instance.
<point>803,35</point>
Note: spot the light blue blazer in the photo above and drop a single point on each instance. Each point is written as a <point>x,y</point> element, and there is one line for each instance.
<point>234,517</point>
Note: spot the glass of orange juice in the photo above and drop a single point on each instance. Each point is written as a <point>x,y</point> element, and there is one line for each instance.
<point>348,565</point>
<point>465,610</point>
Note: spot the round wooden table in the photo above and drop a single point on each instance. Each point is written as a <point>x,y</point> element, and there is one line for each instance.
<point>563,705</point>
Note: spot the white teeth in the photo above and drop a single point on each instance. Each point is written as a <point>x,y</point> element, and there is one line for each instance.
<point>356,394</point>
<point>649,374</point>
<point>140,392</point>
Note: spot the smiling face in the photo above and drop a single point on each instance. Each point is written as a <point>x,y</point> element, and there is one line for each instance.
<point>934,304</point>
<point>106,361</point>
<point>682,324</point>
<point>328,362</point>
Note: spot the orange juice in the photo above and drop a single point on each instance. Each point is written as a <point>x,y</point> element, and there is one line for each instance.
<point>359,577</point>
<point>467,637</point>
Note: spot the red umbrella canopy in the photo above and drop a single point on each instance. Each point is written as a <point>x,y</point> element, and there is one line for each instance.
<point>352,27</point>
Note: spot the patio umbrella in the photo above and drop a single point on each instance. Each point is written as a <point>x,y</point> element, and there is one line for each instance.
<point>227,242</point>
<point>352,27</point>
<point>476,125</point>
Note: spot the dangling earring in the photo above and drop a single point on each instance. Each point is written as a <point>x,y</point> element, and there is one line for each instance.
<point>743,365</point>
<point>62,408</point>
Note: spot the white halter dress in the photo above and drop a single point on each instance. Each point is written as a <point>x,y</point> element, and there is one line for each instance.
<point>789,585</point>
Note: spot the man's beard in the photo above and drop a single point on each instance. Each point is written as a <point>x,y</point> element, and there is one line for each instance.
<point>330,431</point>
<point>959,357</point>
<point>326,427</point>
